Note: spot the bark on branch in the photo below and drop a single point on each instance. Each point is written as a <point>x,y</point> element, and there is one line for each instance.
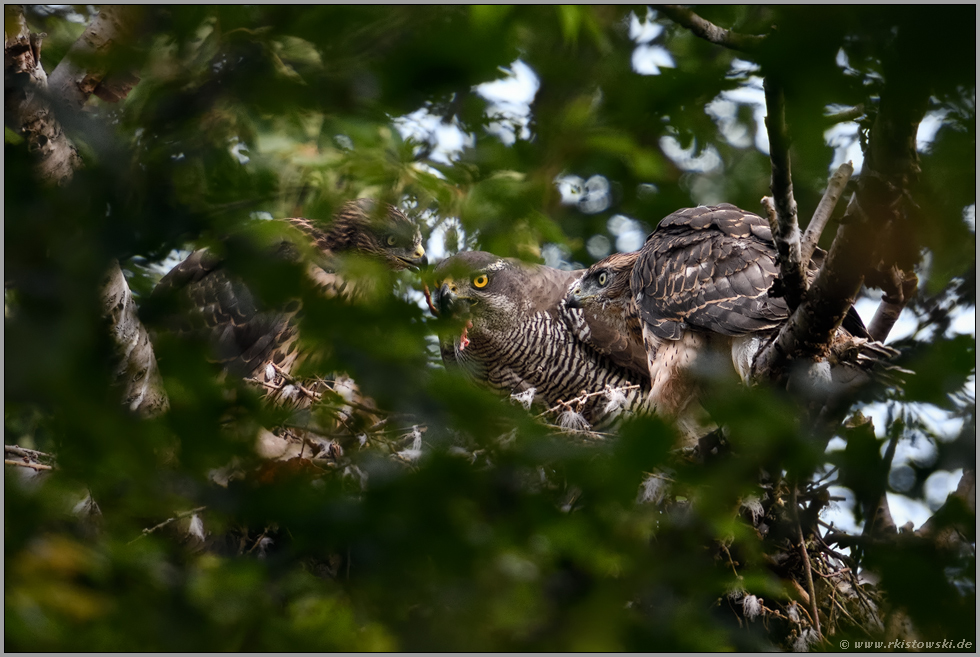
<point>82,72</point>
<point>825,208</point>
<point>874,216</point>
<point>711,32</point>
<point>785,228</point>
<point>26,109</point>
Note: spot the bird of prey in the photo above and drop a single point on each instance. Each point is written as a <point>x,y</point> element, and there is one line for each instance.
<point>702,282</point>
<point>260,343</point>
<point>515,336</point>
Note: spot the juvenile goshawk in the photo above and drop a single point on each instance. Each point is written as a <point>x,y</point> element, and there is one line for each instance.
<point>257,342</point>
<point>702,282</point>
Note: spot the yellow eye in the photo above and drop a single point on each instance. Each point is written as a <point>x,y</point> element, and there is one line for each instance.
<point>603,278</point>
<point>391,240</point>
<point>480,281</point>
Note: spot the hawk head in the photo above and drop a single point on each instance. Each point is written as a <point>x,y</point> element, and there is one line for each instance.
<point>374,229</point>
<point>483,290</point>
<point>605,283</point>
<point>490,294</point>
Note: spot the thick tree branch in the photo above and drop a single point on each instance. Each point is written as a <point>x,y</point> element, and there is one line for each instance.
<point>835,187</point>
<point>891,306</point>
<point>27,109</point>
<point>874,217</point>
<point>848,114</point>
<point>709,31</point>
<point>786,228</point>
<point>82,72</point>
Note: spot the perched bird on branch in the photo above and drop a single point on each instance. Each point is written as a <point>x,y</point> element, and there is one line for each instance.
<point>705,281</point>
<point>513,335</point>
<point>260,343</point>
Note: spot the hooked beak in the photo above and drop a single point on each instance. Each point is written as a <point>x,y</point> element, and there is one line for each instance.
<point>417,260</point>
<point>448,304</point>
<point>448,301</point>
<point>574,298</point>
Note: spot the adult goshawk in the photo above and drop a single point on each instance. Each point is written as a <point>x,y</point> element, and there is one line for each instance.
<point>515,337</point>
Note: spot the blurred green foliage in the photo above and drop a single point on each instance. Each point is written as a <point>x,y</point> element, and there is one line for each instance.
<point>503,535</point>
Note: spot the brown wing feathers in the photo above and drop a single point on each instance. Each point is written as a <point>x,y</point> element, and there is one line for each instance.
<point>708,268</point>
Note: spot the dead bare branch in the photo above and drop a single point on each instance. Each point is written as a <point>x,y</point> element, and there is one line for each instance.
<point>711,32</point>
<point>33,454</point>
<point>844,115</point>
<point>835,187</point>
<point>179,516</point>
<point>815,616</point>
<point>27,464</point>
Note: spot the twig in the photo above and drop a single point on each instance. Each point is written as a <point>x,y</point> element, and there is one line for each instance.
<point>259,540</point>
<point>806,562</point>
<point>581,399</point>
<point>294,381</point>
<point>147,532</point>
<point>848,114</point>
<point>25,464</point>
<point>28,453</point>
<point>709,31</point>
<point>786,229</point>
<point>598,435</point>
<point>835,187</point>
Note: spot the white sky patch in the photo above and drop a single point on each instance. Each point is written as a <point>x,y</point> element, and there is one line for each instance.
<point>964,322</point>
<point>598,246</point>
<point>940,484</point>
<point>438,246</point>
<point>904,327</point>
<point>689,159</point>
<point>843,138</point>
<point>447,139</point>
<point>649,59</point>
<point>591,196</point>
<point>724,108</point>
<point>174,258</point>
<point>840,513</point>
<point>970,217</point>
<point>725,114</point>
<point>647,30</point>
<point>940,422</point>
<point>510,102</point>
<point>928,128</point>
<point>844,62</point>
<point>556,255</point>
<point>629,233</point>
<point>425,168</point>
<point>905,509</point>
<point>239,150</point>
